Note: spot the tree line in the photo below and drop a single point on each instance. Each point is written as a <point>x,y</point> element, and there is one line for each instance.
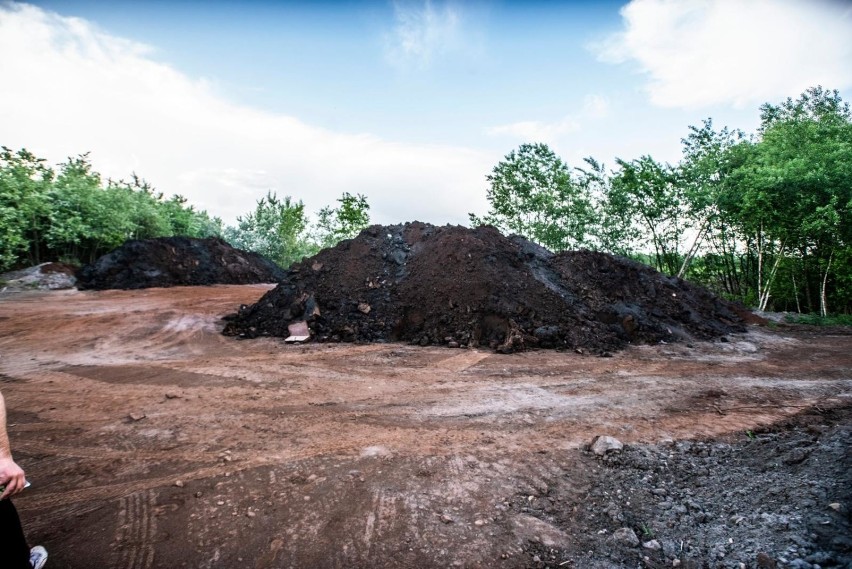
<point>71,214</point>
<point>764,218</point>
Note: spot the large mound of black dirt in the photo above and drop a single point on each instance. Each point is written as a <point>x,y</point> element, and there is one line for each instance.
<point>474,287</point>
<point>177,261</point>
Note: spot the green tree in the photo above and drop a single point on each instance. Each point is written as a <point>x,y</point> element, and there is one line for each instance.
<point>343,222</point>
<point>703,172</point>
<point>532,193</point>
<point>648,195</point>
<point>25,183</point>
<point>798,185</point>
<point>86,219</point>
<point>275,229</point>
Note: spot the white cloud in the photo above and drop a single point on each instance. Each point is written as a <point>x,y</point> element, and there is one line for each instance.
<point>422,32</point>
<point>594,107</point>
<point>537,131</point>
<point>704,52</point>
<point>68,88</point>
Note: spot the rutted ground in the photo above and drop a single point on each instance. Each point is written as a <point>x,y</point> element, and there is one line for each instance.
<point>152,440</point>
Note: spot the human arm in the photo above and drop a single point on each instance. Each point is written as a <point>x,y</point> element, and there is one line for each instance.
<point>11,475</point>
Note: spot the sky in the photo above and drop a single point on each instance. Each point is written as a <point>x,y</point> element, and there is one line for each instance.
<point>408,103</point>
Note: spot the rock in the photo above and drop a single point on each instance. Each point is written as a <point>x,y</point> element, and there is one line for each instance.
<point>179,483</point>
<point>835,506</point>
<point>137,416</point>
<point>626,535</point>
<point>529,528</point>
<point>364,308</point>
<point>604,444</point>
<point>446,519</point>
<point>797,455</point>
<point>764,561</point>
<point>250,514</point>
<point>653,545</point>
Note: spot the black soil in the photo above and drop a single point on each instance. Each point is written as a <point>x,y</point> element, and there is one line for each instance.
<point>176,261</point>
<point>466,287</point>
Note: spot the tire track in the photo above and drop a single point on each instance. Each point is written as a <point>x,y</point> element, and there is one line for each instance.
<point>55,500</point>
<point>135,531</point>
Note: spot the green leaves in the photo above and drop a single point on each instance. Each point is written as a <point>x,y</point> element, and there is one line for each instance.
<point>280,230</point>
<point>76,217</point>
<point>533,193</point>
<point>765,218</point>
<point>343,222</point>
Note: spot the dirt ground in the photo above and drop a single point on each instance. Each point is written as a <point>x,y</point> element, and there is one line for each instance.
<point>151,440</point>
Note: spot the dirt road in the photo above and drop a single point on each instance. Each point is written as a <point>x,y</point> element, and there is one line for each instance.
<point>153,441</point>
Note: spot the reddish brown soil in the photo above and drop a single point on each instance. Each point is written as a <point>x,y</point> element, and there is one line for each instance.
<point>152,440</point>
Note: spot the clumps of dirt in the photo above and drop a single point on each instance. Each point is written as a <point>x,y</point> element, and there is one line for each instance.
<point>776,497</point>
<point>464,287</point>
<point>176,261</point>
<point>46,276</point>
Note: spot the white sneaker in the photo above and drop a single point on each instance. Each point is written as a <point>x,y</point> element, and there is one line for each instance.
<point>38,557</point>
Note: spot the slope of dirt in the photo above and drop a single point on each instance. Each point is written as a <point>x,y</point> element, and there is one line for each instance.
<point>152,441</point>
<point>176,261</point>
<point>45,276</point>
<point>465,287</point>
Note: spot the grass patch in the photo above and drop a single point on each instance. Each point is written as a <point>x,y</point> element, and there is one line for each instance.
<point>817,320</point>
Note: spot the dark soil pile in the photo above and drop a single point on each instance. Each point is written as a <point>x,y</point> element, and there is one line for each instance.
<point>176,261</point>
<point>474,287</point>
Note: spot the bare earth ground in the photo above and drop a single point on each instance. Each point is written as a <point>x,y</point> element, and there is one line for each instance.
<point>153,441</point>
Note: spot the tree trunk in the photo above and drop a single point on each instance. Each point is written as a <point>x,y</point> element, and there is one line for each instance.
<point>764,295</point>
<point>796,293</point>
<point>759,264</point>
<point>823,304</point>
<point>694,248</point>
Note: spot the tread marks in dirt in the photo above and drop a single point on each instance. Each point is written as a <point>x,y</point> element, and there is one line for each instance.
<point>176,261</point>
<point>135,530</point>
<point>462,287</point>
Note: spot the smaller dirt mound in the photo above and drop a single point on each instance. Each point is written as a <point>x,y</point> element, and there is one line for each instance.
<point>176,261</point>
<point>46,276</point>
<point>465,287</point>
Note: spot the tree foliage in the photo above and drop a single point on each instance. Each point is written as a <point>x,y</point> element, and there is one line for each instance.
<point>275,229</point>
<point>280,229</point>
<point>533,193</point>
<point>72,214</point>
<point>342,222</point>
<point>766,218</point>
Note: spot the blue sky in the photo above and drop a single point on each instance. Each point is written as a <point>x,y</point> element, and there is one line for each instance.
<point>410,103</point>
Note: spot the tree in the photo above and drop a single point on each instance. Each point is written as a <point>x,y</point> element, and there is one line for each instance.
<point>707,161</point>
<point>794,189</point>
<point>532,193</point>
<point>343,222</point>
<point>275,229</point>
<point>648,194</point>
<point>25,183</point>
